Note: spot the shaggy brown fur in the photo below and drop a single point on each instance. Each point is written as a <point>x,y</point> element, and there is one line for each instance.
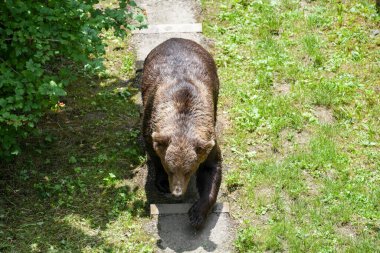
<point>180,92</point>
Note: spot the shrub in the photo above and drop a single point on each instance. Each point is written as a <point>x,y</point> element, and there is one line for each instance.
<point>39,42</point>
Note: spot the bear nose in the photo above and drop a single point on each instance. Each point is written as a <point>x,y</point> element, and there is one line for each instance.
<point>177,192</point>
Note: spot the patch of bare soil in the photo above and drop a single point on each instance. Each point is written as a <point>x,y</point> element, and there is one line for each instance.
<point>287,201</point>
<point>264,192</point>
<point>313,187</point>
<point>223,123</point>
<point>261,220</point>
<point>324,115</point>
<point>282,89</point>
<point>289,139</point>
<point>346,230</point>
<point>331,174</point>
<point>306,6</point>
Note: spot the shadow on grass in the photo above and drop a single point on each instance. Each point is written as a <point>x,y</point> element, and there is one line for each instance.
<point>72,188</point>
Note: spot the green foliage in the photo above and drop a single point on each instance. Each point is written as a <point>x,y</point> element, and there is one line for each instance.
<point>312,47</point>
<point>245,240</point>
<point>40,41</point>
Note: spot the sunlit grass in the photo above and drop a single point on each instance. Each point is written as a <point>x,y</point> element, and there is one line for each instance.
<point>299,80</point>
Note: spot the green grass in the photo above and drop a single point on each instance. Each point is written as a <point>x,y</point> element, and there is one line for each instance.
<point>300,82</point>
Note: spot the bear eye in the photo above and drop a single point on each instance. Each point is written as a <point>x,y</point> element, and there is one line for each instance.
<point>160,144</point>
<point>198,150</point>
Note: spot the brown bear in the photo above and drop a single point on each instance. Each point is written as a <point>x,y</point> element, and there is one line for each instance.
<point>180,89</point>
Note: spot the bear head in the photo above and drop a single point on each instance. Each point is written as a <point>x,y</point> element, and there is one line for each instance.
<point>180,156</point>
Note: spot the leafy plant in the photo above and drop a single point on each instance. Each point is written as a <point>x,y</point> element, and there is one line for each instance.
<point>40,43</point>
<point>245,240</point>
<point>110,180</point>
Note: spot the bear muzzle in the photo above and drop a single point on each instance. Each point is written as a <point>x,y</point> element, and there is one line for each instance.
<point>177,192</point>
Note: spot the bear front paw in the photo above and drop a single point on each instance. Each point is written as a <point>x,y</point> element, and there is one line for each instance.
<point>197,214</point>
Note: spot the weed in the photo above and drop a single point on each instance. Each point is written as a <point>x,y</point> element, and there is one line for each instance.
<point>245,239</point>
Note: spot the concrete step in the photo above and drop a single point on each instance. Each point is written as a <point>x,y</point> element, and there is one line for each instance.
<point>171,28</point>
<point>183,208</point>
<point>171,11</point>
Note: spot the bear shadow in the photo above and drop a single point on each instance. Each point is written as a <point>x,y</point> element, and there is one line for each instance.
<point>176,233</point>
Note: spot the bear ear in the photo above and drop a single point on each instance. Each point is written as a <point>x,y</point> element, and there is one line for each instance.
<point>160,139</point>
<point>203,146</point>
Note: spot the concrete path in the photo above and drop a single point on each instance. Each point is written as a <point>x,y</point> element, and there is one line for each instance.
<point>170,223</point>
<point>167,19</point>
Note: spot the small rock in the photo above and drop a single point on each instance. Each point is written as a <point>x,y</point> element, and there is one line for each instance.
<point>375,32</point>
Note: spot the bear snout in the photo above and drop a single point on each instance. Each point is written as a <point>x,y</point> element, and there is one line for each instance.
<point>177,192</point>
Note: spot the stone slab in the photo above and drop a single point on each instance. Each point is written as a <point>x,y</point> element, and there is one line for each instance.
<point>144,43</point>
<point>171,11</point>
<point>171,28</point>
<point>175,234</point>
<point>183,208</point>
